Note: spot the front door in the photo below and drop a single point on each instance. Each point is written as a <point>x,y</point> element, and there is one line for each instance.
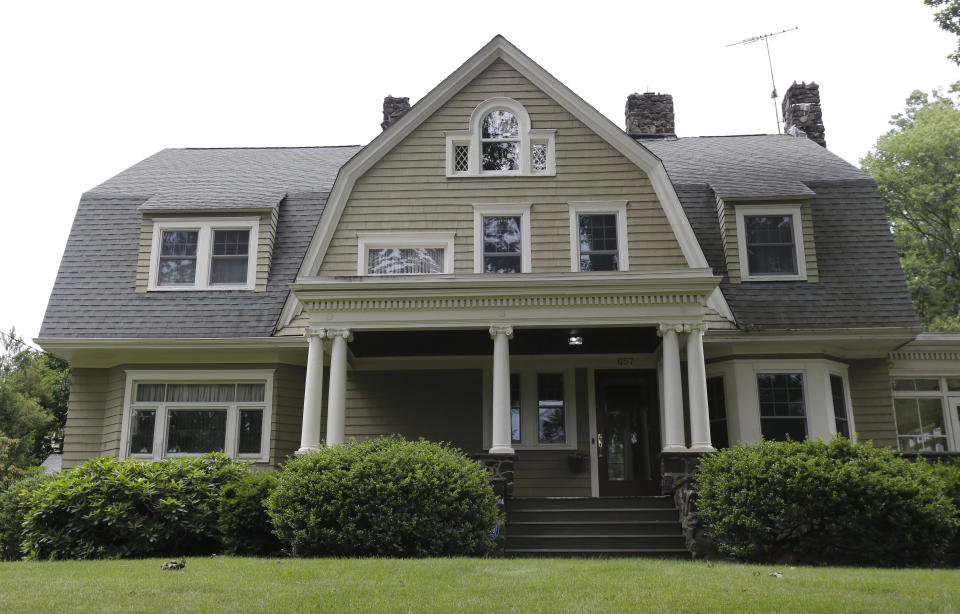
<point>628,433</point>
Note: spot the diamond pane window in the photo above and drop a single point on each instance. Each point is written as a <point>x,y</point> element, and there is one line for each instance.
<point>461,158</point>
<point>500,141</point>
<point>405,260</point>
<point>538,156</point>
<point>551,411</point>
<point>770,245</point>
<point>598,242</point>
<point>782,406</point>
<point>178,257</point>
<point>502,244</point>
<point>231,249</point>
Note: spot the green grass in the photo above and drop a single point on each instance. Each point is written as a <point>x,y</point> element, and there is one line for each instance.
<point>467,585</point>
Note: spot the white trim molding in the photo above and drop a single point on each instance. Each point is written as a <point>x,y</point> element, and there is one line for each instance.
<point>162,408</point>
<point>600,207</point>
<point>513,209</point>
<point>372,240</point>
<point>528,137</point>
<point>205,228</point>
<point>749,210</point>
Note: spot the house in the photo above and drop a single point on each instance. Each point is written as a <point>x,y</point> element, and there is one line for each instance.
<point>505,269</point>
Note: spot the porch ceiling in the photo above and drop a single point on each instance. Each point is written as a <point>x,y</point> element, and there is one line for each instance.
<point>526,341</point>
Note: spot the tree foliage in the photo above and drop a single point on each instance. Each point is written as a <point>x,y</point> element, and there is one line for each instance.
<point>917,167</point>
<point>948,18</point>
<point>34,388</point>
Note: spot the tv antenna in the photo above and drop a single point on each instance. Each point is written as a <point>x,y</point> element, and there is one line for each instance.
<point>764,37</point>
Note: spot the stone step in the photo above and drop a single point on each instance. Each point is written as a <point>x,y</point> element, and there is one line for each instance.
<point>590,543</point>
<point>544,503</point>
<point>591,514</point>
<point>594,527</point>
<point>665,553</point>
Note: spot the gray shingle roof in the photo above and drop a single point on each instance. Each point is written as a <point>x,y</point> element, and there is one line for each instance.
<point>861,284</point>
<point>94,295</point>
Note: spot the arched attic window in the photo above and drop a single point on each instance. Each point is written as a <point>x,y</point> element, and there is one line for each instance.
<point>499,141</point>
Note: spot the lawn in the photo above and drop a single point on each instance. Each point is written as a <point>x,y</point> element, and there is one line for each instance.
<point>467,585</point>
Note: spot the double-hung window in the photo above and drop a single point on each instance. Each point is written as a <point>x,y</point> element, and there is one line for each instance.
<point>210,412</point>
<point>204,254</point>
<point>398,253</point>
<point>783,411</point>
<point>598,236</point>
<point>839,397</point>
<point>502,238</point>
<point>770,241</point>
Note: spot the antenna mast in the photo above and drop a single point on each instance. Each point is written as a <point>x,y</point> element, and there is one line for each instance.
<point>764,37</point>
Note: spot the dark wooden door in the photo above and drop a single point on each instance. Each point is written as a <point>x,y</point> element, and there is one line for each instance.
<point>628,433</point>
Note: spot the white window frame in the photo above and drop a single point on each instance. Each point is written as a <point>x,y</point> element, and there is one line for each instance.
<point>162,408</point>
<point>606,207</point>
<point>528,136</point>
<point>375,240</point>
<point>522,210</point>
<point>205,228</point>
<point>847,399</point>
<point>806,396</point>
<point>529,409</point>
<point>948,401</point>
<point>749,210</point>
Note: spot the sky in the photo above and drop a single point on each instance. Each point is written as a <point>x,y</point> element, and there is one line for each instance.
<point>87,89</point>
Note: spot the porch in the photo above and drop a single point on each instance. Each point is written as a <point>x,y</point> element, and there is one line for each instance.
<point>582,383</point>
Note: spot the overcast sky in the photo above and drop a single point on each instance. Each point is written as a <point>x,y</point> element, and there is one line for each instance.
<point>90,88</point>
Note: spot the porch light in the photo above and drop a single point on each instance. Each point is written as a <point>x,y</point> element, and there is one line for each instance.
<point>575,340</point>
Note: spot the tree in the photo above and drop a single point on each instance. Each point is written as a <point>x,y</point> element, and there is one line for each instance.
<point>34,388</point>
<point>948,18</point>
<point>917,168</point>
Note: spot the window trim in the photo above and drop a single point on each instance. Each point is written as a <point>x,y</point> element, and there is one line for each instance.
<point>374,240</point>
<point>529,414</point>
<point>847,399</point>
<point>205,228</point>
<point>160,433</point>
<point>528,136</point>
<point>599,207</point>
<point>521,210</point>
<point>948,401</point>
<point>750,210</point>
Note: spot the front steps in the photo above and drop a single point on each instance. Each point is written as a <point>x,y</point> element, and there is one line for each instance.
<point>587,527</point>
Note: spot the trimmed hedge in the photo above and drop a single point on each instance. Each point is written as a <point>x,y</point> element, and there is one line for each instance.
<point>949,474</point>
<point>244,524</point>
<point>384,497</point>
<point>816,502</point>
<point>108,508</point>
<point>11,513</point>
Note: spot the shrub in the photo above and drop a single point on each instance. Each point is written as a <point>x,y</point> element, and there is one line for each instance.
<point>244,524</point>
<point>385,497</point>
<point>949,474</point>
<point>11,514</point>
<point>818,502</point>
<point>108,508</point>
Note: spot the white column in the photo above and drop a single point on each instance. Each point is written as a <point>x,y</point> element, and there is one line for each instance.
<point>337,404</point>
<point>500,432</point>
<point>313,393</point>
<point>697,385</point>
<point>672,390</point>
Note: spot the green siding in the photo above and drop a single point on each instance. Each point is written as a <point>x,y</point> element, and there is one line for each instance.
<point>872,402</point>
<point>408,190</point>
<point>726,211</point>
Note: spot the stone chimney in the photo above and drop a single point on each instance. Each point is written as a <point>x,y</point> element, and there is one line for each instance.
<point>802,114</point>
<point>650,116</point>
<point>393,110</point>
